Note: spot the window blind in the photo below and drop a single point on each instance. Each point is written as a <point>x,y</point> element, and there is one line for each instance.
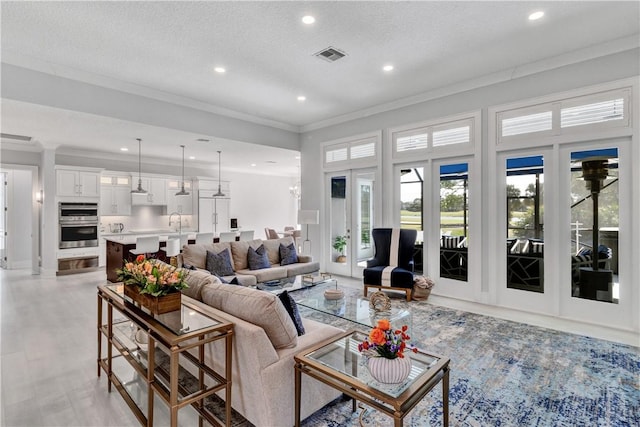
<point>337,155</point>
<point>412,142</point>
<point>592,113</point>
<point>459,135</point>
<point>363,150</point>
<point>527,124</point>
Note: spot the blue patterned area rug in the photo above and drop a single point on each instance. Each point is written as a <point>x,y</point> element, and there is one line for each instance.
<point>505,373</point>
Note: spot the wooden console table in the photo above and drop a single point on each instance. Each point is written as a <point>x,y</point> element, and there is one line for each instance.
<point>167,336</point>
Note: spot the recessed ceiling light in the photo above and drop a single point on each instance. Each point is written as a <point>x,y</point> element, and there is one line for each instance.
<point>302,98</point>
<point>536,15</point>
<point>220,70</point>
<point>253,164</point>
<point>124,149</point>
<point>297,157</point>
<point>192,157</point>
<point>388,68</point>
<point>308,19</point>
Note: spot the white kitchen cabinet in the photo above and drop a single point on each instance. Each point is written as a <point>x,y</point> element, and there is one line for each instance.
<point>213,215</point>
<point>156,194</point>
<point>181,204</point>
<point>71,182</point>
<point>115,195</point>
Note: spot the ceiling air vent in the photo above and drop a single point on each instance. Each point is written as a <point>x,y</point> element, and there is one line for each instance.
<point>330,54</point>
<point>8,137</point>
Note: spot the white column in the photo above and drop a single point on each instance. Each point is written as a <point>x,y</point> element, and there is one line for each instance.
<point>49,217</point>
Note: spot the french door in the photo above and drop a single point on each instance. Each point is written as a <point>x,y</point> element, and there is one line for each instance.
<point>350,207</point>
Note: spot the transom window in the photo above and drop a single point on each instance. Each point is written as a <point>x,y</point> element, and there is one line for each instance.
<point>605,109</point>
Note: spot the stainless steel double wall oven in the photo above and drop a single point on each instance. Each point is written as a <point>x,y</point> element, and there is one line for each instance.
<point>78,225</point>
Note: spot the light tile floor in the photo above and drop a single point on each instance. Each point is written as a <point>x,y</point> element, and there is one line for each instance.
<point>48,353</point>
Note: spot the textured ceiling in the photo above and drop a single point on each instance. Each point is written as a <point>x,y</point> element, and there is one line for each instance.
<point>172,47</point>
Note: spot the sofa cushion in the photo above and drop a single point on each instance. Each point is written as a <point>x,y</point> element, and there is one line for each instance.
<point>196,255</point>
<point>197,280</point>
<point>302,268</point>
<point>219,263</point>
<point>266,274</point>
<point>292,308</point>
<point>288,254</point>
<point>257,258</point>
<point>273,248</point>
<point>239,252</point>
<point>258,307</point>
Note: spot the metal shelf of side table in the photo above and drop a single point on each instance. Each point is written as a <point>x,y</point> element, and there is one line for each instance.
<point>176,342</point>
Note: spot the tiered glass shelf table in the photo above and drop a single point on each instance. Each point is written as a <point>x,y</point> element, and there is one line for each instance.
<point>153,352</point>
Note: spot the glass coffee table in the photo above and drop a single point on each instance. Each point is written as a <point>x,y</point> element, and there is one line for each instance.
<point>355,309</point>
<point>295,283</point>
<point>338,363</point>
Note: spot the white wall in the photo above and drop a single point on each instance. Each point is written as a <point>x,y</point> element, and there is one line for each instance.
<point>600,70</point>
<point>260,201</point>
<point>576,76</point>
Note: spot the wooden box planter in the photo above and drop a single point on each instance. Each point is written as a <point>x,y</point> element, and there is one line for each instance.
<point>156,305</point>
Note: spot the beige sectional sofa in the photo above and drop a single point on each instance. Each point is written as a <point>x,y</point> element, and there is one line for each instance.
<point>265,341</point>
<point>196,255</point>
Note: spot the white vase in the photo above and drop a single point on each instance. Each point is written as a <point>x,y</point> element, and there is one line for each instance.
<point>389,371</point>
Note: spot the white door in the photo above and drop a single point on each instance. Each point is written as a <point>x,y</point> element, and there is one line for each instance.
<point>350,213</point>
<point>3,220</point>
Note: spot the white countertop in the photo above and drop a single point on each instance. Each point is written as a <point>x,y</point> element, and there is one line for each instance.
<point>148,232</point>
<point>130,238</point>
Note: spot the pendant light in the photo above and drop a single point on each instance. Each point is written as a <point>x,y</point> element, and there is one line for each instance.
<point>139,190</point>
<point>182,191</point>
<point>219,193</point>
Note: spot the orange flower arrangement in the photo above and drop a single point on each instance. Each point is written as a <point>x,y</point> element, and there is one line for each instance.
<point>383,341</point>
<point>154,278</point>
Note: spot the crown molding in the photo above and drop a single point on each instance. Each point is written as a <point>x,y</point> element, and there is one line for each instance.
<point>580,55</point>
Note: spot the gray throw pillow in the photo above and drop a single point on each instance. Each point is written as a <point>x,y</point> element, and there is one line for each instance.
<point>258,258</point>
<point>292,308</point>
<point>220,263</point>
<point>288,254</point>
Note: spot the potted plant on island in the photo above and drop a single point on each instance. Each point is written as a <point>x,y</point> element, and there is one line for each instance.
<point>340,244</point>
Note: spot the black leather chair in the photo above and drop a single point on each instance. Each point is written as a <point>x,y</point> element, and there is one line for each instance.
<point>401,277</point>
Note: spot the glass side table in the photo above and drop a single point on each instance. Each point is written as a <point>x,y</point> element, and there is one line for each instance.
<point>338,363</point>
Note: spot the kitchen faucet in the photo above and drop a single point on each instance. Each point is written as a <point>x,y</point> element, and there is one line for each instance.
<point>179,220</point>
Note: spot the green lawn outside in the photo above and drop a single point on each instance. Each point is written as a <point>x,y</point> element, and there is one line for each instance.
<point>411,220</point>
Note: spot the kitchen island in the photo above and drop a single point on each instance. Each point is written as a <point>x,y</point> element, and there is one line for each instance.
<point>119,245</point>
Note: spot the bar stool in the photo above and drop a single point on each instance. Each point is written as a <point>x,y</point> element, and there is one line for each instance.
<point>146,246</point>
<point>204,238</point>
<point>228,236</point>
<point>172,250</point>
<point>246,235</point>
